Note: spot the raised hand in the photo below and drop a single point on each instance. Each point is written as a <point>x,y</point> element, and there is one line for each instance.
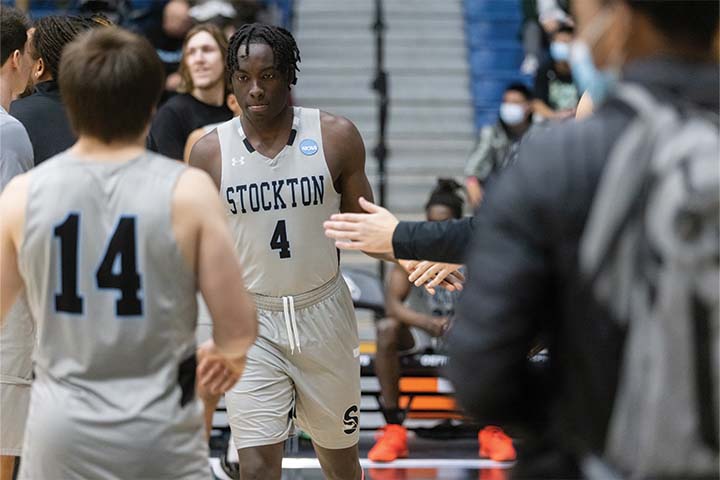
<point>370,232</point>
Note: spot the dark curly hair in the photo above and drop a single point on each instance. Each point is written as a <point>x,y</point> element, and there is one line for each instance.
<point>286,54</point>
<point>446,193</point>
<point>52,33</point>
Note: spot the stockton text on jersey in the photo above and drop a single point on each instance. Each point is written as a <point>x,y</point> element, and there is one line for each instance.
<point>276,194</point>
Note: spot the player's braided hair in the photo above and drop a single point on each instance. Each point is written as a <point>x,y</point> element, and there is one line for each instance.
<point>445,193</point>
<point>51,35</point>
<point>285,51</point>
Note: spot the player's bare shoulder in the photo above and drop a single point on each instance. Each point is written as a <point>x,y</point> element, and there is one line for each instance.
<point>205,155</point>
<point>14,196</point>
<point>342,142</point>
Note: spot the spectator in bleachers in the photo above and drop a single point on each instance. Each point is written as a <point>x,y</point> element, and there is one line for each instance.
<point>43,113</point>
<point>414,320</point>
<point>202,93</point>
<point>117,11</point>
<point>556,96</point>
<point>492,151</point>
<point>166,26</point>
<point>541,19</point>
<point>226,14</point>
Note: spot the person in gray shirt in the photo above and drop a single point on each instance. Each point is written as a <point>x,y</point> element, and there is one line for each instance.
<point>16,154</point>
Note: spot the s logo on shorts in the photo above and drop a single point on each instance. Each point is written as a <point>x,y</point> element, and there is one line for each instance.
<point>351,420</point>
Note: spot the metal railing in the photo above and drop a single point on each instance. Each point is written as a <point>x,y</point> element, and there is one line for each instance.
<point>380,85</point>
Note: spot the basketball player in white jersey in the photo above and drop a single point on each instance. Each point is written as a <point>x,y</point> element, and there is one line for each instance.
<point>281,172</point>
<point>110,243</point>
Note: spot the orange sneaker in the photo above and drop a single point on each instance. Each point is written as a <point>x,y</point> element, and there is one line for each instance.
<point>496,445</point>
<point>391,445</point>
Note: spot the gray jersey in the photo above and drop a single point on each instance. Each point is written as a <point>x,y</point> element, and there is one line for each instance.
<point>115,305</point>
<point>17,337</point>
<point>276,208</point>
<point>16,152</point>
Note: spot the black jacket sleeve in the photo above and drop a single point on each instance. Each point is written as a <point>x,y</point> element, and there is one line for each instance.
<point>438,241</point>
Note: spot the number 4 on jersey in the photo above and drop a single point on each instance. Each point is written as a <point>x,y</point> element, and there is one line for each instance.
<point>279,240</point>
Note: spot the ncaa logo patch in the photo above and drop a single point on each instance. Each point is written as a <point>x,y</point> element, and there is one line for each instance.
<point>309,147</point>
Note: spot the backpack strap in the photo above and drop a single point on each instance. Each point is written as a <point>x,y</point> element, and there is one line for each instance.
<point>624,179</point>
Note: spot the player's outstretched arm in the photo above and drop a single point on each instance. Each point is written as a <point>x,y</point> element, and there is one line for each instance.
<point>12,223</point>
<point>201,229</point>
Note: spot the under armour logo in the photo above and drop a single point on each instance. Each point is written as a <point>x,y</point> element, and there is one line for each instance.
<point>235,161</point>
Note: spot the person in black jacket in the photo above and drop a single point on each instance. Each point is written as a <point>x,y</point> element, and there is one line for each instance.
<point>43,113</point>
<point>524,279</point>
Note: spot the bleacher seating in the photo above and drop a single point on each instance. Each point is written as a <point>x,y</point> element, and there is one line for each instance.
<point>494,53</point>
<point>42,8</point>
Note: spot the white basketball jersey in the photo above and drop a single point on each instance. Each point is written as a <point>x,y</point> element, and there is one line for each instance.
<point>276,207</point>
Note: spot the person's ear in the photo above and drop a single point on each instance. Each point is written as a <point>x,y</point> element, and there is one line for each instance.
<point>16,57</point>
<point>39,68</point>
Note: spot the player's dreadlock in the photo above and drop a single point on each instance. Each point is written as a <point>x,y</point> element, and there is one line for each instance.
<point>285,50</point>
<point>52,33</point>
<point>445,193</point>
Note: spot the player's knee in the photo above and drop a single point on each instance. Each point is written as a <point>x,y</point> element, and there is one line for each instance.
<point>388,330</point>
<point>256,467</point>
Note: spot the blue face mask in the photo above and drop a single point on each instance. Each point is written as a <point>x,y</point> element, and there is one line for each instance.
<point>587,77</point>
<point>560,51</point>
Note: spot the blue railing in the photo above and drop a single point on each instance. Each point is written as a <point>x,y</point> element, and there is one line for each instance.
<point>492,32</point>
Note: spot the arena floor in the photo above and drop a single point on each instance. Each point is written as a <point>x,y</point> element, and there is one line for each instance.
<point>454,459</point>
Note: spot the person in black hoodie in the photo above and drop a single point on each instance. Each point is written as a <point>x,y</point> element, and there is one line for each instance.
<point>524,279</point>
<point>523,274</point>
<point>43,113</point>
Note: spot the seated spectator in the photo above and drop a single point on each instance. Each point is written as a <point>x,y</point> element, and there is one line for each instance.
<point>44,106</point>
<point>541,19</point>
<point>556,96</point>
<point>202,93</point>
<point>492,151</point>
<point>415,320</point>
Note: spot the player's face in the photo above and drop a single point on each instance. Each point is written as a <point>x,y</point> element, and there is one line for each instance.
<point>439,213</point>
<point>204,61</point>
<point>261,90</point>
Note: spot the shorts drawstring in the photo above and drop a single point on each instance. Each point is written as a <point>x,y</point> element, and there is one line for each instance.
<point>291,324</point>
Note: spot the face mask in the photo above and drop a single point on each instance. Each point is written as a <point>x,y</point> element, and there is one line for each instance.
<point>512,114</point>
<point>560,51</point>
<point>587,77</point>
